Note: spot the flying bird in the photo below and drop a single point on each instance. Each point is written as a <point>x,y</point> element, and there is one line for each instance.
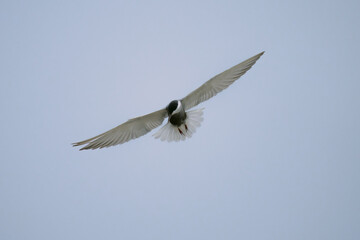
<point>182,122</point>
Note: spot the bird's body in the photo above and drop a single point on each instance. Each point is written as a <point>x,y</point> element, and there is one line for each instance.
<point>176,113</point>
<point>182,123</point>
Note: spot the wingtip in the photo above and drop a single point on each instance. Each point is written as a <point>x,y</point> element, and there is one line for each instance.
<point>85,148</point>
<point>79,144</point>
<point>257,56</point>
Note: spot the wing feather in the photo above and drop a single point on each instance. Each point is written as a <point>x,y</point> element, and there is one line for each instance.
<point>218,83</point>
<point>125,132</point>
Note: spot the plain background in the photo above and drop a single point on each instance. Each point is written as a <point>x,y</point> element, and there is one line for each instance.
<point>277,156</point>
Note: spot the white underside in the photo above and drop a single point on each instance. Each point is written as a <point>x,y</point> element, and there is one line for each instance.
<point>171,133</point>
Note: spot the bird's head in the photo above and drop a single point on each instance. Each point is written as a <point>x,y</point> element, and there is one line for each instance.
<point>173,107</point>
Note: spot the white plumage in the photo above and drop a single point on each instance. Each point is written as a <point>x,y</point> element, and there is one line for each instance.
<point>171,133</point>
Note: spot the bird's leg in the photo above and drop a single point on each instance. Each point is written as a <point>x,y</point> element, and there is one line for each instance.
<point>186,127</point>
<point>180,131</point>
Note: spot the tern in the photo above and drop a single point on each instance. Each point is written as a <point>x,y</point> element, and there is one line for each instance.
<point>182,122</point>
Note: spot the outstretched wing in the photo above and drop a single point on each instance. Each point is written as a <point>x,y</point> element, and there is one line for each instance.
<point>131,129</point>
<point>218,83</point>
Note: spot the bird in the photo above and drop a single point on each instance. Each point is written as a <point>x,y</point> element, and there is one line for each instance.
<point>182,122</point>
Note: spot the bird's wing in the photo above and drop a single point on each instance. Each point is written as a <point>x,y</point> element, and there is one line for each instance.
<point>131,129</point>
<point>218,83</point>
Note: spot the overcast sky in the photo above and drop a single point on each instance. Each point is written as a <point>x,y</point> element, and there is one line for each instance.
<point>278,153</point>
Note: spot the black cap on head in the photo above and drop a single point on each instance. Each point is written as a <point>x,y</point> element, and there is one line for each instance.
<point>172,106</point>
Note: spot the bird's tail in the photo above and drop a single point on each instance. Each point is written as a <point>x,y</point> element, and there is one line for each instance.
<point>172,133</point>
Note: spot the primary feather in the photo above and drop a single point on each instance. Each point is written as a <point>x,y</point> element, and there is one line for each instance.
<point>131,129</point>
<point>218,83</point>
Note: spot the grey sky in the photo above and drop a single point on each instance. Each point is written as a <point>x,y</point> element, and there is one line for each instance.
<point>277,156</point>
